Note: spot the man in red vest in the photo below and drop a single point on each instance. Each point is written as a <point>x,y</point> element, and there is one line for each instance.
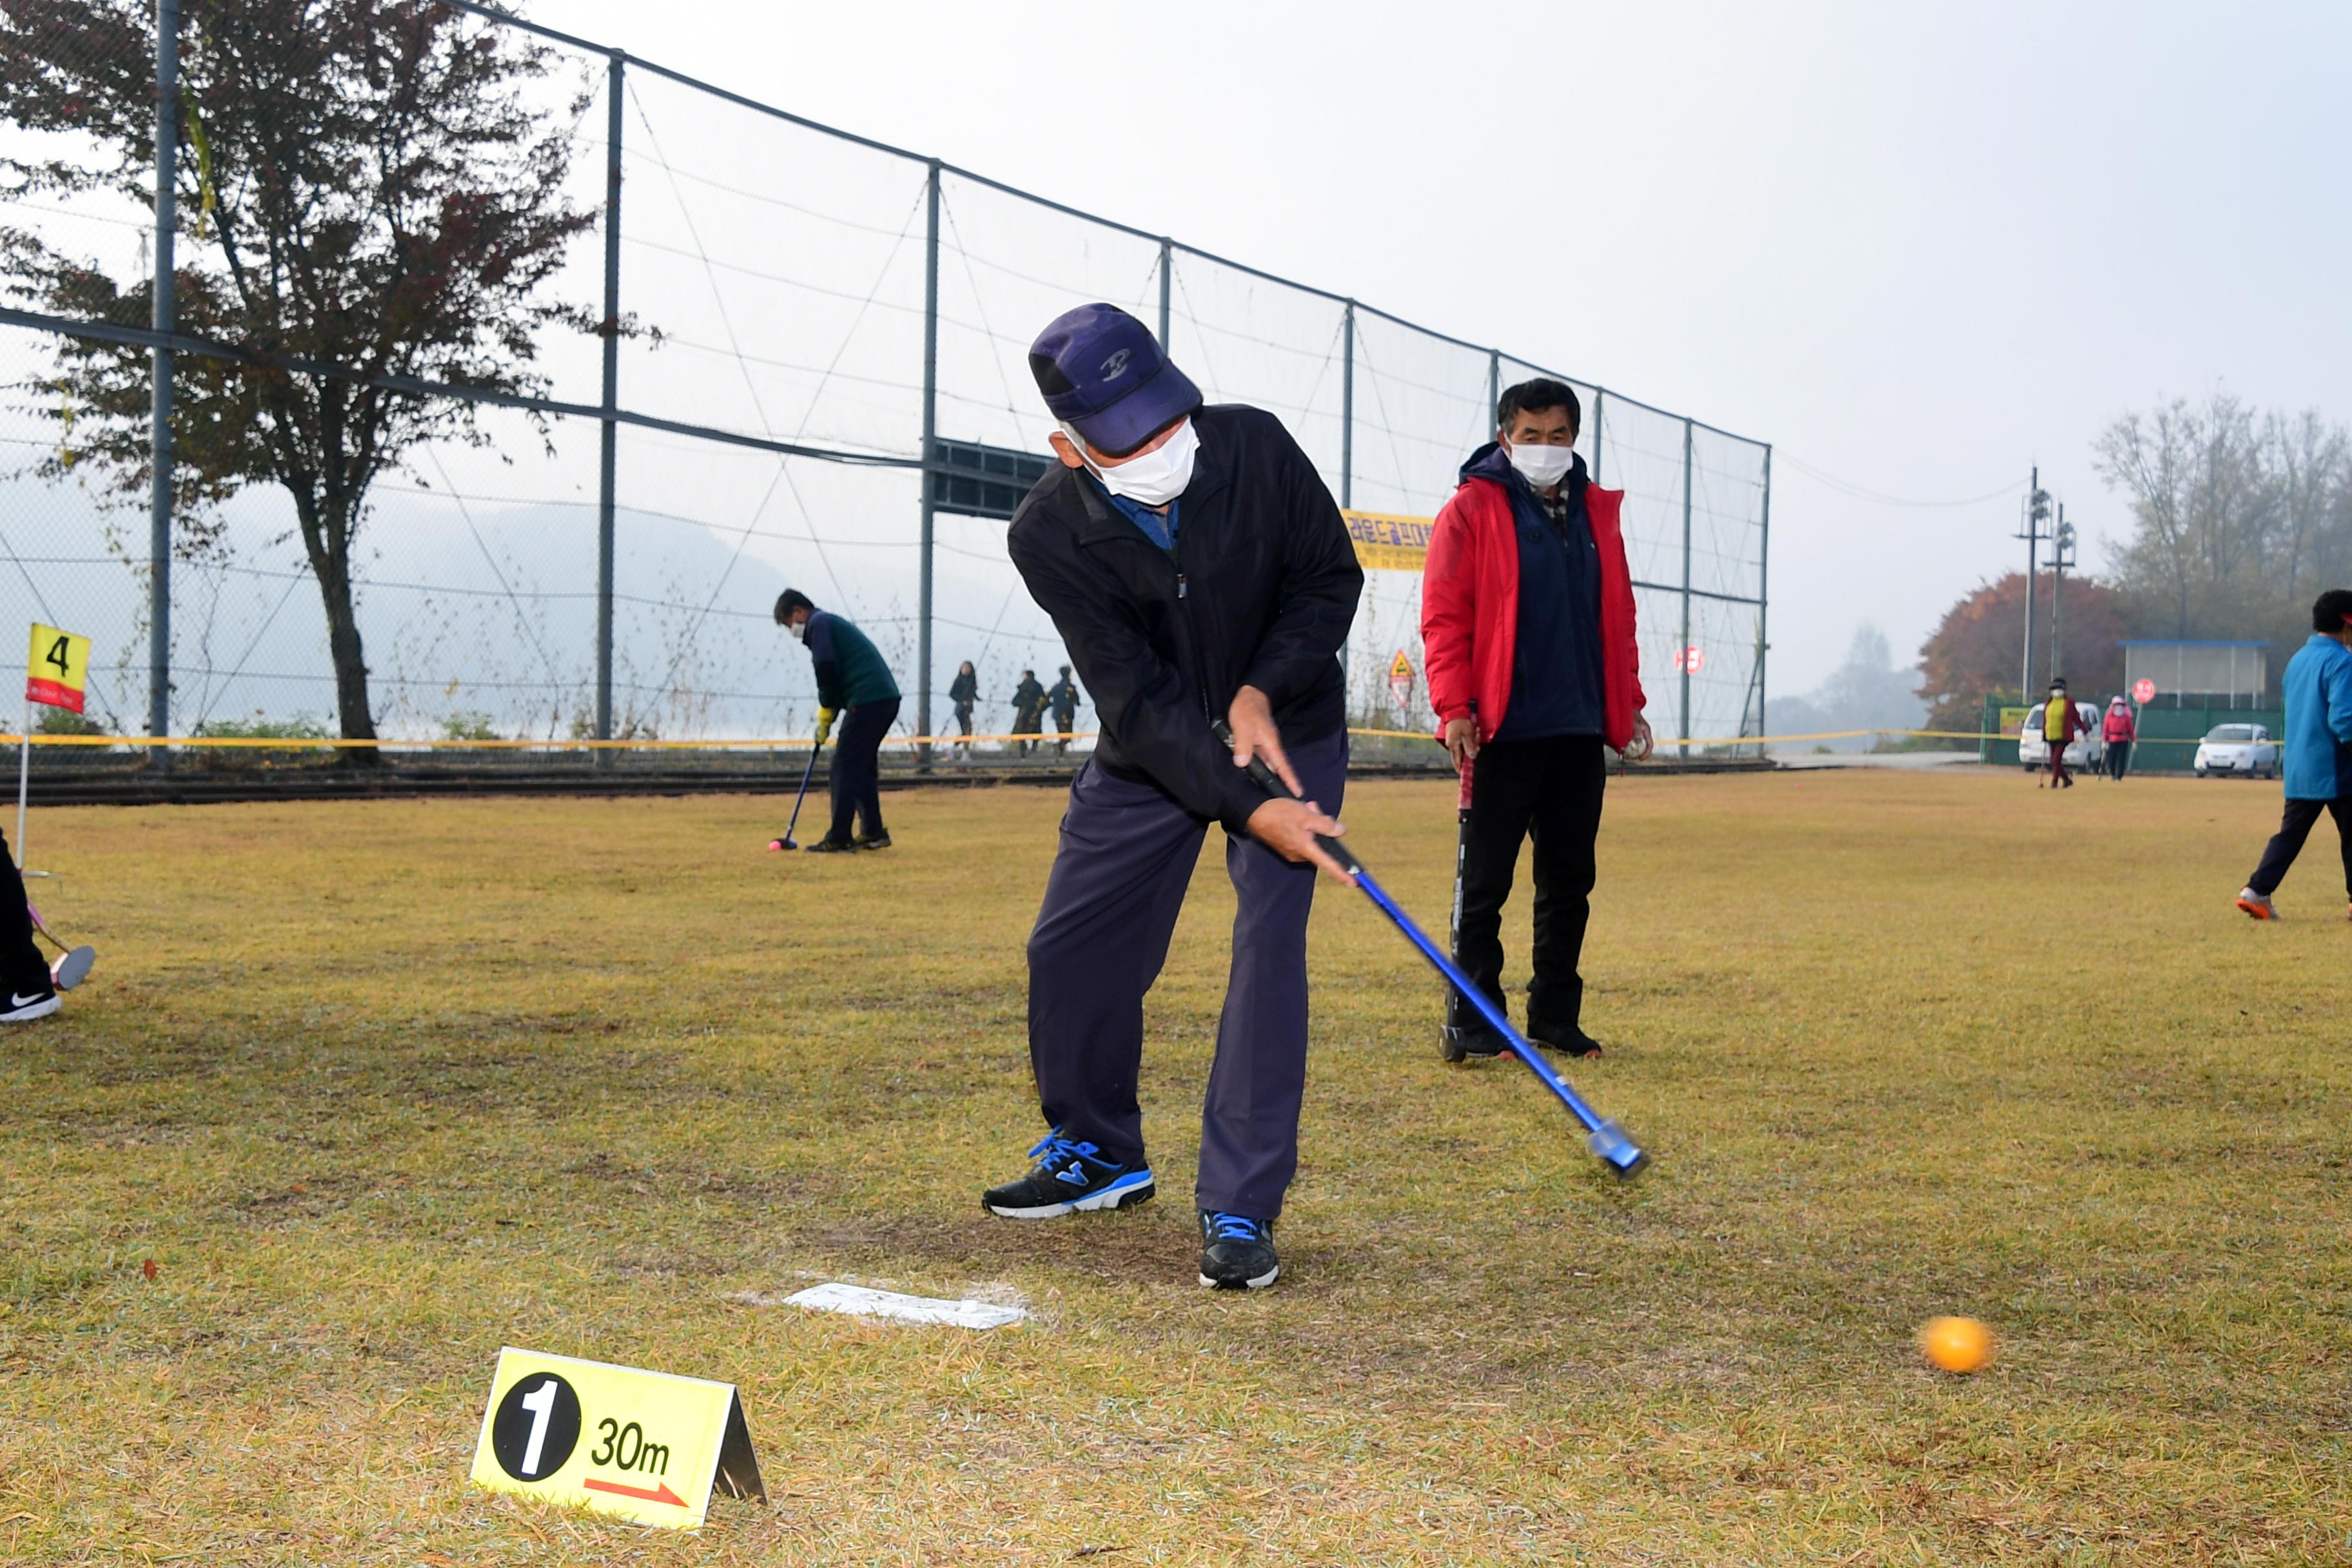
<point>1527,624</point>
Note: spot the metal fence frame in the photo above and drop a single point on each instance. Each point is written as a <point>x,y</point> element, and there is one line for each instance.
<point>165,343</point>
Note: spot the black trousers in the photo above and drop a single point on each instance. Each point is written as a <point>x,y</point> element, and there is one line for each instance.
<point>1550,789</point>
<point>857,769</point>
<point>2118,755</point>
<point>22,967</point>
<point>2287,842</point>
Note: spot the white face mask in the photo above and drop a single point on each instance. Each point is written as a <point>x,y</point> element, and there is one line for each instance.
<point>1542,467</point>
<point>799,630</point>
<point>1156,477</point>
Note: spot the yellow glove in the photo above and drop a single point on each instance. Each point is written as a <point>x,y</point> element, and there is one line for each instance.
<point>824,725</point>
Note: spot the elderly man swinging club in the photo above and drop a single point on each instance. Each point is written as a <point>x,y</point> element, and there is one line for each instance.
<point>1197,570</point>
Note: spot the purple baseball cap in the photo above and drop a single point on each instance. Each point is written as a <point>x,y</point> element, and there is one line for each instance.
<point>1101,370</point>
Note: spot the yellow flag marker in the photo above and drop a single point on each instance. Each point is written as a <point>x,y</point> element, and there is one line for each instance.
<point>645,1445</point>
<point>57,668</point>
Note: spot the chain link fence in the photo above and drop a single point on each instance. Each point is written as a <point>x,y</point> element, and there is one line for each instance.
<point>817,377</point>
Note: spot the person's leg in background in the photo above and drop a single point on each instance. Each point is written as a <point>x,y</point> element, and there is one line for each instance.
<point>1249,1121</point>
<point>1504,782</point>
<point>863,733</point>
<point>1567,821</point>
<point>23,969</point>
<point>2340,808</point>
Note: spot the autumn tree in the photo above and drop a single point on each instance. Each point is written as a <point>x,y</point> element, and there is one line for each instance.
<point>367,185</point>
<point>1975,651</point>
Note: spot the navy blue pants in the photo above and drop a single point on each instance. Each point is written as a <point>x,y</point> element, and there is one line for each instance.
<point>856,772</point>
<point>1126,858</point>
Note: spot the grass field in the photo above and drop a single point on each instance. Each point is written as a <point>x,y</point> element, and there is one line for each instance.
<point>379,1088</point>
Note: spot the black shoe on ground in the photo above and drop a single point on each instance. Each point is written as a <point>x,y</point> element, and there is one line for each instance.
<point>1068,1177</point>
<point>29,1002</point>
<point>1236,1252</point>
<point>1571,1041</point>
<point>879,841</point>
<point>829,844</point>
<point>1459,1042</point>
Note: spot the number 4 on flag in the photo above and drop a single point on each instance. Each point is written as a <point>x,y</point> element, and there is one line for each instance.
<point>57,668</point>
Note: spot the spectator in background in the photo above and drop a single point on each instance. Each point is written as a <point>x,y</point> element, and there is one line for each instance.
<point>2318,687</point>
<point>2061,726</point>
<point>963,694</point>
<point>2120,733</point>
<point>1063,698</point>
<point>1028,702</point>
<point>851,681</point>
<point>1527,619</point>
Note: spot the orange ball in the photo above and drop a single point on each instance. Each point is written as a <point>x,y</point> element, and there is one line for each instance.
<point>1955,1344</point>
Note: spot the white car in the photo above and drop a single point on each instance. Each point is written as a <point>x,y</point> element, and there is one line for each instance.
<point>2086,750</point>
<point>2245,750</point>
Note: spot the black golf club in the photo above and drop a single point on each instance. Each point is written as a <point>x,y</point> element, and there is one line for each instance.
<point>786,842</point>
<point>1615,1148</point>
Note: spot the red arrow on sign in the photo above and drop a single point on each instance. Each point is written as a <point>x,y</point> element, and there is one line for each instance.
<point>656,1494</point>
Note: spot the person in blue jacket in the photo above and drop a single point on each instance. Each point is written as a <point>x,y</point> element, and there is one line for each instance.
<point>2318,690</point>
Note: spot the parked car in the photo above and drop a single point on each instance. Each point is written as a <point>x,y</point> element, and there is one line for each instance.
<point>2245,750</point>
<point>2087,750</point>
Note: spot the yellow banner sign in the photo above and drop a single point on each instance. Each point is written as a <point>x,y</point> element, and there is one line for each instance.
<point>646,1445</point>
<point>57,668</point>
<point>1389,543</point>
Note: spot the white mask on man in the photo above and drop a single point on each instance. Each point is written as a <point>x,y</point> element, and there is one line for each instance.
<point>1542,467</point>
<point>1154,479</point>
<point>799,630</point>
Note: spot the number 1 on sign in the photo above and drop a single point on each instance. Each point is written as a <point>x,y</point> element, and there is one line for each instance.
<point>540,1403</point>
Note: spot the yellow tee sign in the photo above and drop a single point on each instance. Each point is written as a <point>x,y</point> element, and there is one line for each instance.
<point>57,668</point>
<point>645,1445</point>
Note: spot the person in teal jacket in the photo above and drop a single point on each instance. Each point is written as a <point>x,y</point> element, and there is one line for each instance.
<point>2318,687</point>
<point>853,681</point>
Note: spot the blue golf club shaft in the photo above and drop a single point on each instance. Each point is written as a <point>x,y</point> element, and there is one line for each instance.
<point>806,774</point>
<point>1604,1138</point>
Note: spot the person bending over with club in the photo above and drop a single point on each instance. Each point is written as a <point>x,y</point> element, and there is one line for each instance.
<point>32,992</point>
<point>1196,569</point>
<point>854,683</point>
<point>1526,626</point>
<point>2318,687</point>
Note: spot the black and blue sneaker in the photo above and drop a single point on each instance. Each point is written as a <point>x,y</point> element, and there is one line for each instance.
<point>1236,1252</point>
<point>1069,1176</point>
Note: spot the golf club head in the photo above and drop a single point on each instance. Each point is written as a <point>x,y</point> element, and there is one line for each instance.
<point>73,968</point>
<point>776,844</point>
<point>1617,1149</point>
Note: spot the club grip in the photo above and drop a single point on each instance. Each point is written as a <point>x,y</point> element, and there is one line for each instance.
<point>1266,779</point>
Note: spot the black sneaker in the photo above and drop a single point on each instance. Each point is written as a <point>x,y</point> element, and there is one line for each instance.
<point>1459,1042</point>
<point>831,845</point>
<point>1236,1252</point>
<point>1069,1176</point>
<point>1571,1041</point>
<point>29,1002</point>
<point>879,841</point>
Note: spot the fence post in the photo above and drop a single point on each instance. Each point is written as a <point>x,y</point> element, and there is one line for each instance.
<point>1494,387</point>
<point>166,317</point>
<point>1682,654</point>
<point>1597,393</point>
<point>1348,410</point>
<point>931,440</point>
<point>1763,600</point>
<point>1166,265</point>
<point>610,431</point>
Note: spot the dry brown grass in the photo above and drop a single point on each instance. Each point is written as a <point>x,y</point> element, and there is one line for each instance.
<point>382,1086</point>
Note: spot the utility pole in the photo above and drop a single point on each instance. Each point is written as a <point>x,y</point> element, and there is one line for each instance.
<point>2037,512</point>
<point>2061,556</point>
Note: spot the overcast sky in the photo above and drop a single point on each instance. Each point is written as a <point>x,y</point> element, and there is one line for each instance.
<point>1918,249</point>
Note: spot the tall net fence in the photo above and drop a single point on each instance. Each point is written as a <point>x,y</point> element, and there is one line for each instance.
<point>818,379</point>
